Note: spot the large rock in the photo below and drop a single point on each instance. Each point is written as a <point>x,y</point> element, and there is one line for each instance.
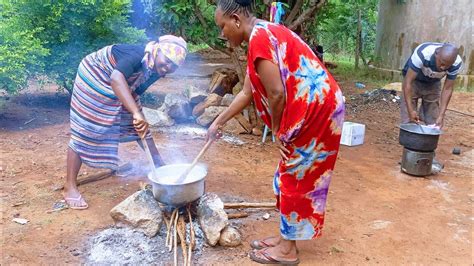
<point>211,100</point>
<point>195,95</point>
<point>211,217</point>
<point>157,117</point>
<point>227,99</point>
<point>209,115</point>
<point>177,107</point>
<point>233,126</point>
<point>230,237</point>
<point>140,211</point>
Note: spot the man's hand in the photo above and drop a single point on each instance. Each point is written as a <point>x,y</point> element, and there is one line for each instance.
<point>214,132</point>
<point>284,152</point>
<point>414,117</point>
<point>140,124</point>
<point>407,95</point>
<point>440,121</point>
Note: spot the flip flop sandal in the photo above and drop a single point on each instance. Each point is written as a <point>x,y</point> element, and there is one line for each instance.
<point>261,244</point>
<point>79,200</point>
<point>268,259</point>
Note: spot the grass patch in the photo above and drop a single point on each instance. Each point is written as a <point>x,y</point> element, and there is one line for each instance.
<point>347,71</point>
<point>192,48</point>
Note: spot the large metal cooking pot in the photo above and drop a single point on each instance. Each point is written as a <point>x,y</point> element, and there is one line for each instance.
<point>167,191</point>
<point>419,137</point>
<point>417,163</point>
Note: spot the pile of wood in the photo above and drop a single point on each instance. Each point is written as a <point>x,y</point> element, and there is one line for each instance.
<point>203,105</point>
<point>207,105</point>
<point>176,226</point>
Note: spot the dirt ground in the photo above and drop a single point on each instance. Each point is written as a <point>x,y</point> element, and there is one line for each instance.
<point>375,214</point>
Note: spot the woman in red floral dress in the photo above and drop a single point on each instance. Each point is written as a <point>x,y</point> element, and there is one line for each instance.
<point>300,101</point>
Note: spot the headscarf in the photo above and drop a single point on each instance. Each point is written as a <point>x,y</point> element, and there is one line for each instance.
<point>174,48</point>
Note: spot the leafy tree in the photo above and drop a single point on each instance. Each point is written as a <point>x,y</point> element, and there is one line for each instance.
<point>21,53</point>
<point>194,20</point>
<point>65,31</point>
<point>50,37</point>
<point>347,27</point>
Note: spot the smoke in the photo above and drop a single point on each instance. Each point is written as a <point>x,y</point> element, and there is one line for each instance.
<point>144,16</point>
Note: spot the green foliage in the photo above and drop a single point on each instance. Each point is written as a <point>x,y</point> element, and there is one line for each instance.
<point>50,37</point>
<point>192,48</point>
<point>180,17</point>
<point>336,26</point>
<point>21,54</point>
<point>193,20</point>
<point>60,34</point>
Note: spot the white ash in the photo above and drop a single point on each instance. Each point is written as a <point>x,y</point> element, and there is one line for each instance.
<point>125,246</point>
<point>198,236</point>
<point>232,140</point>
<point>185,129</point>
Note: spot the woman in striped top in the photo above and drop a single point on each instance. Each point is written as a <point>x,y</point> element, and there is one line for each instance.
<point>105,105</point>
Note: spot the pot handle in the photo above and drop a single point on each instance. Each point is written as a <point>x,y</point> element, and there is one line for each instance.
<point>426,160</point>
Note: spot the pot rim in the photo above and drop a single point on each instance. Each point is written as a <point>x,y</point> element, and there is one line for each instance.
<point>155,181</point>
<point>431,133</point>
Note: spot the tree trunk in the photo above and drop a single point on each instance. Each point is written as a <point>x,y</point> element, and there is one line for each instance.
<point>313,6</point>
<point>266,14</point>
<point>358,37</point>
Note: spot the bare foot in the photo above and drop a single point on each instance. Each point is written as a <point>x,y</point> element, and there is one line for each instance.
<point>74,199</point>
<point>266,242</point>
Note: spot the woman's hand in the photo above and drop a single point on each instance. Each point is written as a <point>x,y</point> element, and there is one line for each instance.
<point>284,152</point>
<point>140,124</point>
<point>214,132</point>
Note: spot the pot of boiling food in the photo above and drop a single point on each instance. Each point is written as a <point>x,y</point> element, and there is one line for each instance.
<point>167,189</point>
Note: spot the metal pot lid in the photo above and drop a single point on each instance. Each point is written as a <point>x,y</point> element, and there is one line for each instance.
<point>421,129</point>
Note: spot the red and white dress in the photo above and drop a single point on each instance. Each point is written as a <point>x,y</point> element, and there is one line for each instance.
<point>311,126</point>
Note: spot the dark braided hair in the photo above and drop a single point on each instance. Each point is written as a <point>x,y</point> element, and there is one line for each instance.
<point>235,6</point>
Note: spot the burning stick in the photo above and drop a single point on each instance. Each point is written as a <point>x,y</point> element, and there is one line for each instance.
<point>237,215</point>
<point>192,240</point>
<point>167,229</point>
<point>169,238</point>
<point>182,236</point>
<point>192,237</point>
<point>175,244</point>
<point>100,175</point>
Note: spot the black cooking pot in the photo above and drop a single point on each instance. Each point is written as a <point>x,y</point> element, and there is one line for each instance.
<point>419,137</point>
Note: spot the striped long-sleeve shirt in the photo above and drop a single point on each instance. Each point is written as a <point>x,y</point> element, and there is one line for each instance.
<point>423,62</point>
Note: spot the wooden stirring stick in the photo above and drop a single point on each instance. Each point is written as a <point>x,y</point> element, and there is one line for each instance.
<point>185,173</point>
<point>150,158</point>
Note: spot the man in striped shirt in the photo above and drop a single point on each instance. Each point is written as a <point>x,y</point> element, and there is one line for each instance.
<point>429,63</point>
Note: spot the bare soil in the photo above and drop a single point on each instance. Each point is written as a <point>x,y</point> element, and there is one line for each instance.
<point>376,214</point>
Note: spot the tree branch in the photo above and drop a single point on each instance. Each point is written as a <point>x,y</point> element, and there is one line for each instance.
<point>294,12</point>
<point>199,15</point>
<point>266,13</point>
<point>314,5</point>
<point>203,22</point>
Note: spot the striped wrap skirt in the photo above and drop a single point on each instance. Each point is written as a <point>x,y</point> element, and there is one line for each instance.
<point>98,119</point>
